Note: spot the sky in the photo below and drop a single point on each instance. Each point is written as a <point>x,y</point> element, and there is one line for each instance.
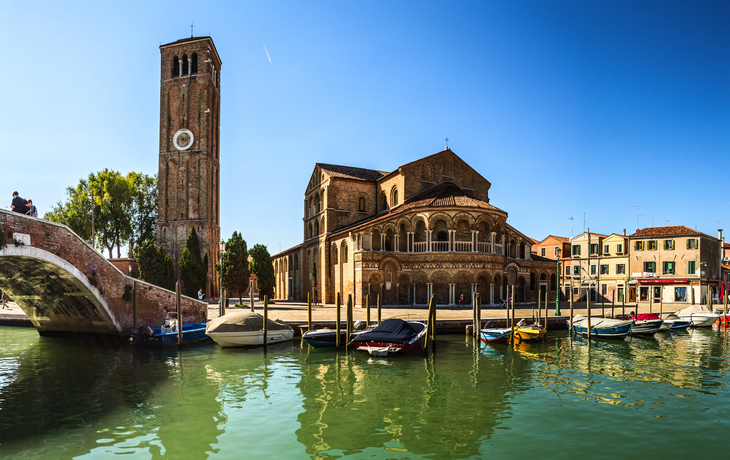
<point>600,115</point>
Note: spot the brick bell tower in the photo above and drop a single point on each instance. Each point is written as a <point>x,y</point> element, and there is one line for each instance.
<point>189,166</point>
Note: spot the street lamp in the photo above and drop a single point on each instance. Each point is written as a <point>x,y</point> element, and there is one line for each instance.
<point>222,247</point>
<point>557,285</point>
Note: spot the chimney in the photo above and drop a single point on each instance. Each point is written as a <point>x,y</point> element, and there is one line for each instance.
<point>719,234</point>
<point>624,232</point>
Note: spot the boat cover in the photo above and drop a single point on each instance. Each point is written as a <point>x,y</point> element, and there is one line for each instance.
<point>647,317</point>
<point>243,321</point>
<point>695,310</point>
<point>392,330</point>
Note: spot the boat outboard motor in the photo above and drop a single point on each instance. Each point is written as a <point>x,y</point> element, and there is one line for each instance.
<point>360,325</point>
<point>142,335</point>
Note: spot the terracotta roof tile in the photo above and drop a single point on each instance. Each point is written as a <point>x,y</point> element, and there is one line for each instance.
<point>351,172</point>
<point>670,230</point>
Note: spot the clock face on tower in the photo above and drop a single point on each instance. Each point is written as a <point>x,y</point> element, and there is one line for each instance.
<point>183,139</point>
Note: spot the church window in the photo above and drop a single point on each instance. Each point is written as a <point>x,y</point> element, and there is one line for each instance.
<point>394,197</point>
<point>175,67</point>
<point>334,254</point>
<point>361,206</point>
<point>344,253</point>
<point>185,64</point>
<point>194,64</point>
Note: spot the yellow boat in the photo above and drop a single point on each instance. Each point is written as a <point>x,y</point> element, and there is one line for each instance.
<point>528,332</point>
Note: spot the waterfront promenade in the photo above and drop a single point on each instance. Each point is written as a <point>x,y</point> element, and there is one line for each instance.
<point>455,318</point>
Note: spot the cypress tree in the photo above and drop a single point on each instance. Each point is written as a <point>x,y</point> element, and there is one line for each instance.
<point>193,268</point>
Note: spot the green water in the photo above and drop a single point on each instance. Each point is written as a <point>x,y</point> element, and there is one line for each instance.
<point>639,399</point>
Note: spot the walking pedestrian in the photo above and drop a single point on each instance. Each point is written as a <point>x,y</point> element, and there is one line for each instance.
<point>200,294</point>
<point>461,298</point>
<point>32,210</point>
<point>5,299</point>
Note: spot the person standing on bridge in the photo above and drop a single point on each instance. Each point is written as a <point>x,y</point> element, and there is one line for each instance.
<point>200,294</point>
<point>18,204</point>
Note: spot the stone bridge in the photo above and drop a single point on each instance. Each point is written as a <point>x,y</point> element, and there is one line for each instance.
<point>64,285</point>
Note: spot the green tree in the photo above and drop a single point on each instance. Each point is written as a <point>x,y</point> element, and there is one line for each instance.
<point>193,268</point>
<point>144,208</point>
<point>263,268</point>
<point>155,265</point>
<point>113,194</point>
<point>236,272</point>
<point>75,213</point>
<point>125,209</point>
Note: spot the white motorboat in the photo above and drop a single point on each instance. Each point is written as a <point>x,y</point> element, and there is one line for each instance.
<point>673,322</point>
<point>245,328</point>
<point>698,315</point>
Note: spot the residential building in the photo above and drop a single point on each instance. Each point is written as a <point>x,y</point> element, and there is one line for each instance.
<point>673,264</point>
<point>613,269</point>
<point>585,250</point>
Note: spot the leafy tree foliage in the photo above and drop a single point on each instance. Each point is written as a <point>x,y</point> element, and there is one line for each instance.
<point>236,272</point>
<point>155,265</point>
<point>75,213</point>
<point>193,268</point>
<point>125,209</point>
<point>144,209</point>
<point>263,268</point>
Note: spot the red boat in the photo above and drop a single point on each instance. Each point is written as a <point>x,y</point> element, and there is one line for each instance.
<point>391,336</point>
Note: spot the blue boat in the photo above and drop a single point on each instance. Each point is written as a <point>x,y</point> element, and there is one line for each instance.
<point>155,337</point>
<point>601,327</point>
<point>495,334</point>
<point>322,338</point>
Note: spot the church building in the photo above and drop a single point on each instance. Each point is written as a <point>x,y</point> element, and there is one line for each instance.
<point>425,229</point>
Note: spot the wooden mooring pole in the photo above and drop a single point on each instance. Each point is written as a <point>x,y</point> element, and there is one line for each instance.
<point>309,311</point>
<point>661,301</point>
<point>379,317</point>
<point>266,322</point>
<point>337,322</point>
<point>512,301</point>
<point>367,310</point>
<point>588,308</point>
<point>134,305</point>
<point>349,318</point>
<point>613,300</point>
<point>430,326</point>
<point>178,309</point>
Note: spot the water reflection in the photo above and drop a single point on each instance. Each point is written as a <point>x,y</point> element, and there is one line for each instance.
<point>440,407</point>
<point>691,362</point>
<point>88,393</point>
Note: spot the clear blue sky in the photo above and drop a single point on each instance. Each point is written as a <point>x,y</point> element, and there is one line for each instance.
<point>567,107</point>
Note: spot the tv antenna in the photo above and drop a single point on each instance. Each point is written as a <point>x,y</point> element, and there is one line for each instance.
<point>652,214</point>
<point>191,29</point>
<point>665,221</point>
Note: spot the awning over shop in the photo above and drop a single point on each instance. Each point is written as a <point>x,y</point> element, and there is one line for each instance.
<point>664,281</point>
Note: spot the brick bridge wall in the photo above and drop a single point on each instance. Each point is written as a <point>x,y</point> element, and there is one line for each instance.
<point>64,285</point>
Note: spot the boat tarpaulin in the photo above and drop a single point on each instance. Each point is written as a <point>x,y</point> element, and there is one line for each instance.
<point>392,330</point>
<point>243,321</point>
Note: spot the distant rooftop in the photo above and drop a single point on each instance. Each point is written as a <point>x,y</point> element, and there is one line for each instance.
<point>351,172</point>
<point>670,230</point>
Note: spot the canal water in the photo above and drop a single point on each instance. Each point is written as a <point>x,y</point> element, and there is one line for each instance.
<point>638,399</point>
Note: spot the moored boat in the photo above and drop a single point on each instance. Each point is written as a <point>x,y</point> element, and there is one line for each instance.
<point>392,336</point>
<point>698,315</point>
<point>601,327</point>
<point>528,332</point>
<point>495,334</point>
<point>673,322</point>
<point>244,328</point>
<point>321,338</point>
<point>645,323</point>
<point>167,336</point>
